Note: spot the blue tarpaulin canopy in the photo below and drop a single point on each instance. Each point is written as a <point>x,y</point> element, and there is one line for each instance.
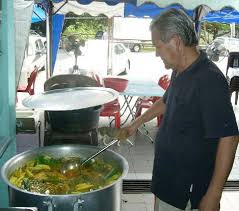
<point>192,4</point>
<point>152,10</point>
<point>38,14</point>
<point>149,10</point>
<point>222,16</point>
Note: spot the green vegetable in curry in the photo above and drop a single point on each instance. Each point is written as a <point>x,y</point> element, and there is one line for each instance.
<point>43,175</point>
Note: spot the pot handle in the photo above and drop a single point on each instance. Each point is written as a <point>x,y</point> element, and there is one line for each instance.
<point>78,204</point>
<point>50,205</point>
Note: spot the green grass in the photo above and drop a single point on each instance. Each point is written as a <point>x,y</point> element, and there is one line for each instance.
<point>148,49</point>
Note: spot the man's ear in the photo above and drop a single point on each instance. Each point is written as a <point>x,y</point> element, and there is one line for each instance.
<point>176,42</point>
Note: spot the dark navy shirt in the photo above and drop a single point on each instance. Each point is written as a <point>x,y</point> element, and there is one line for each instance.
<point>198,112</point>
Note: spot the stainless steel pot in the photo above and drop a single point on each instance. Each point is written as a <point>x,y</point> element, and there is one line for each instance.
<point>104,199</point>
<point>80,120</point>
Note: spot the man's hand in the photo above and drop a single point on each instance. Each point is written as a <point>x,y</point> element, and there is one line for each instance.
<point>224,160</point>
<point>209,203</point>
<point>128,130</point>
<point>118,133</point>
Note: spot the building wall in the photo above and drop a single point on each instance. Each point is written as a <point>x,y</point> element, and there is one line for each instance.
<point>7,89</point>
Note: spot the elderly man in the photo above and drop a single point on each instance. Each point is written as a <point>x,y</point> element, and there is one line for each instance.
<point>196,143</point>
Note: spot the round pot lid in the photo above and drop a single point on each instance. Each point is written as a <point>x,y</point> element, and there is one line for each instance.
<point>71,98</point>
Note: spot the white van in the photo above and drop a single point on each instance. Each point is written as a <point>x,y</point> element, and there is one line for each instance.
<point>231,44</point>
<point>35,55</point>
<point>95,58</point>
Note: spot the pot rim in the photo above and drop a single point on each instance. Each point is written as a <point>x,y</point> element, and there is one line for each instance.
<point>6,164</point>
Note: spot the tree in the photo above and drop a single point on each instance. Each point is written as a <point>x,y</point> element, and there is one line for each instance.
<point>210,31</point>
<point>84,26</point>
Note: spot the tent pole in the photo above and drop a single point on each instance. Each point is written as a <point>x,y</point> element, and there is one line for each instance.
<point>233,29</point>
<point>110,45</point>
<point>199,13</point>
<point>49,66</point>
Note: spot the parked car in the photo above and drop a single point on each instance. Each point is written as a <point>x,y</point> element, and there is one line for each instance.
<point>35,55</point>
<point>34,33</point>
<point>134,45</point>
<point>221,46</point>
<point>96,57</point>
<point>35,49</point>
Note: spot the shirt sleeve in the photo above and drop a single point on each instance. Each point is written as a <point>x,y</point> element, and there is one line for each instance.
<point>217,114</point>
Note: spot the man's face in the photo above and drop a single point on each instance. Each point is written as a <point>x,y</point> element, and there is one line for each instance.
<point>167,51</point>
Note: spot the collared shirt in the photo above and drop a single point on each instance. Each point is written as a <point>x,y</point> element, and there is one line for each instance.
<point>198,113</point>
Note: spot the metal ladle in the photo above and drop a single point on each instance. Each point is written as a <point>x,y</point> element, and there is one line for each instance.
<point>77,163</point>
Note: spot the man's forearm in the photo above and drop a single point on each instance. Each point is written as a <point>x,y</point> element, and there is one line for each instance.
<point>157,109</point>
<point>224,160</point>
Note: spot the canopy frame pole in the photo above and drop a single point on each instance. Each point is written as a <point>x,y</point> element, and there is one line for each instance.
<point>199,13</point>
<point>49,61</point>
<point>61,7</point>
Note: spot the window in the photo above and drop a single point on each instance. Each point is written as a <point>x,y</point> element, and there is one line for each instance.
<point>118,49</point>
<point>39,45</point>
<point>235,62</point>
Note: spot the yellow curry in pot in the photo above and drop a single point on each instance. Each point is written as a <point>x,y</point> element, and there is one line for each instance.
<point>43,175</point>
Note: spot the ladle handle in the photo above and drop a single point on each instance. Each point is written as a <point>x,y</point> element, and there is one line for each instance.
<point>103,149</point>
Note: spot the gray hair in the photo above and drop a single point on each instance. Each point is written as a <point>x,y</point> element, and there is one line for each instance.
<point>175,22</point>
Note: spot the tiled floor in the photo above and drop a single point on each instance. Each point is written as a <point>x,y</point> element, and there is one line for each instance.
<point>137,202</point>
<point>144,202</point>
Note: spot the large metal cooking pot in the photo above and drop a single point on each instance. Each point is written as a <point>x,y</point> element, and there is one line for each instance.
<point>74,121</point>
<point>104,199</point>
